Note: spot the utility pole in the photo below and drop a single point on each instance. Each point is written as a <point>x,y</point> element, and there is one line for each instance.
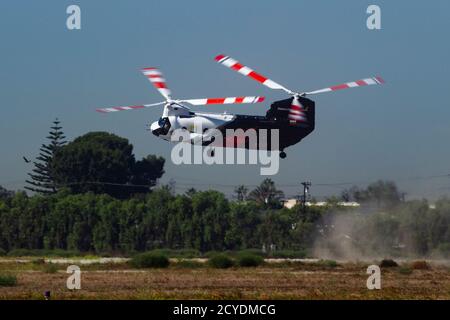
<point>306,185</point>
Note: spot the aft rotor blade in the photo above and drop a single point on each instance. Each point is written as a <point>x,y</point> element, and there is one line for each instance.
<point>358,83</point>
<point>156,78</point>
<point>296,112</point>
<point>246,71</point>
<point>229,100</point>
<point>124,108</point>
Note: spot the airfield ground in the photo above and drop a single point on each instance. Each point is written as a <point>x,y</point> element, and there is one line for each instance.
<point>193,280</point>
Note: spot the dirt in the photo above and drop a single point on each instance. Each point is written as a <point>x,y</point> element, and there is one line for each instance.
<point>296,281</point>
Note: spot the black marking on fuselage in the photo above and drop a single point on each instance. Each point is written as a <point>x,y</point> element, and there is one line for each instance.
<point>277,118</point>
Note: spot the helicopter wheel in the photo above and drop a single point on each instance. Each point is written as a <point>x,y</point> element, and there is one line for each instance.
<point>211,153</point>
<point>282,154</point>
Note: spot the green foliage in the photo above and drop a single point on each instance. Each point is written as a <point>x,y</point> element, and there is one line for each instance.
<point>101,162</point>
<point>8,280</point>
<point>38,261</point>
<point>220,261</point>
<point>405,270</point>
<point>2,252</point>
<point>65,224</point>
<point>43,253</point>
<point>267,195</point>
<point>249,260</point>
<point>189,264</point>
<point>5,194</point>
<point>150,260</point>
<point>21,253</point>
<point>256,252</point>
<point>288,254</point>
<point>42,178</point>
<point>328,263</point>
<point>50,268</point>
<point>382,194</point>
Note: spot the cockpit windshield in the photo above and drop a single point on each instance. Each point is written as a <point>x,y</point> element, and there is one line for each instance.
<point>164,125</point>
<point>162,121</point>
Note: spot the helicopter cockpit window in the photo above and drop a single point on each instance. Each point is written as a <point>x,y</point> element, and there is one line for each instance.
<point>164,125</point>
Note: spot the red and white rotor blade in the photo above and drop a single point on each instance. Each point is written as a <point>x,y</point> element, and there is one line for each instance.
<point>296,112</point>
<point>246,71</point>
<point>229,100</point>
<point>124,108</point>
<point>156,78</point>
<point>359,83</point>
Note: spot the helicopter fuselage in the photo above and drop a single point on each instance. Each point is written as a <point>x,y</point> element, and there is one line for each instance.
<point>197,125</point>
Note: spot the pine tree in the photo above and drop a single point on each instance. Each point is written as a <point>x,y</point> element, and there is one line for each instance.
<point>41,177</point>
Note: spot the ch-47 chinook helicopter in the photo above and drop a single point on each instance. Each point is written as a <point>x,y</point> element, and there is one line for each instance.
<point>293,117</point>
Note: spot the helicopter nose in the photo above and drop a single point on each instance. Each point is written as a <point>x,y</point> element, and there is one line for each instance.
<point>154,128</point>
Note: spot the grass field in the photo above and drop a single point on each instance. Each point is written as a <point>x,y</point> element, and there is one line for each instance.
<point>194,280</point>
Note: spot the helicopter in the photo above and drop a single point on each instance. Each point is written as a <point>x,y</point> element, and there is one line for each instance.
<point>294,117</point>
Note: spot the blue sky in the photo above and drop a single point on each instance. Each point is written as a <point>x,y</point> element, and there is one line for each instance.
<point>398,131</point>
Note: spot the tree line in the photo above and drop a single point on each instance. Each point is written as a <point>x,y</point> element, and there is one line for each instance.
<point>208,221</point>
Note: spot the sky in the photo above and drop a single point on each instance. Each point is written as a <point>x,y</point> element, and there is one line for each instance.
<point>399,131</point>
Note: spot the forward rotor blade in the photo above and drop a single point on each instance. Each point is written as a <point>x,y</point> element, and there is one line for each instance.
<point>229,100</point>
<point>246,71</point>
<point>359,83</point>
<point>115,109</point>
<point>156,78</point>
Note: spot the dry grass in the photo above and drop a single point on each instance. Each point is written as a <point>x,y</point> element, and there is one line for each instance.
<point>295,281</point>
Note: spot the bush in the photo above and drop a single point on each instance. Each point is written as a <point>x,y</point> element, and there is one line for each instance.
<point>220,261</point>
<point>210,254</point>
<point>38,261</point>
<point>21,253</point>
<point>420,265</point>
<point>50,268</point>
<point>388,263</point>
<point>188,264</point>
<point>255,252</point>
<point>328,263</point>
<point>150,260</point>
<point>249,260</point>
<point>61,253</point>
<point>7,280</point>
<point>2,252</point>
<point>180,253</point>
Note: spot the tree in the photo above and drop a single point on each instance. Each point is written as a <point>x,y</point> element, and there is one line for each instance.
<point>42,179</point>
<point>101,162</point>
<point>146,172</point>
<point>5,194</point>
<point>240,193</point>
<point>384,194</point>
<point>266,194</point>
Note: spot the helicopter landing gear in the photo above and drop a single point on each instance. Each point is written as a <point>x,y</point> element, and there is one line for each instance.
<point>211,153</point>
<point>282,154</point>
